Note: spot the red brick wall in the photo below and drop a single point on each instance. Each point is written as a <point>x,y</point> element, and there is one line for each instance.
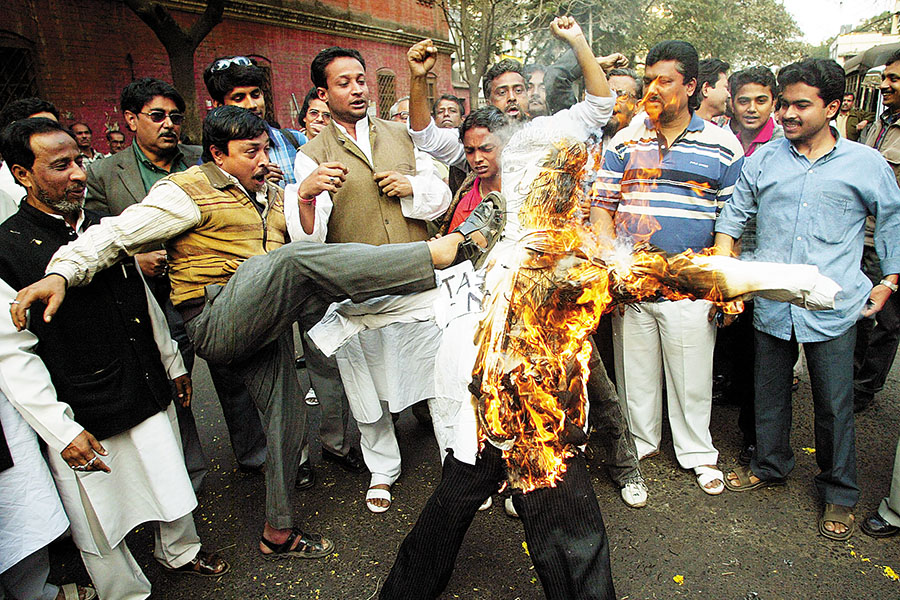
<point>82,51</point>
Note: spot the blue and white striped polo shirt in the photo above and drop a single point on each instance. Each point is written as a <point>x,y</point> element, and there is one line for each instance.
<point>682,187</point>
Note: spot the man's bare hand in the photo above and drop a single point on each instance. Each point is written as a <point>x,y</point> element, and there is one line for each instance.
<point>394,184</point>
<point>50,290</point>
<point>862,125</point>
<point>152,264</point>
<point>82,454</point>
<point>275,173</point>
<point>421,57</point>
<point>183,389</point>
<point>616,60</point>
<point>566,29</point>
<point>877,298</point>
<point>328,177</point>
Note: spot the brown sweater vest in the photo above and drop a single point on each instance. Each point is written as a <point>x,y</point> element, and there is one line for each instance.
<point>362,213</point>
<point>230,231</point>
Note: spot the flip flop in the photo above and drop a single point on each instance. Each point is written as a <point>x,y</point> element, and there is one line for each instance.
<point>380,494</point>
<point>837,513</point>
<point>743,475</point>
<point>706,475</point>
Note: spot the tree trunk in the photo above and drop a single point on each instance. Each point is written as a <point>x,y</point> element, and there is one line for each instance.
<point>181,61</point>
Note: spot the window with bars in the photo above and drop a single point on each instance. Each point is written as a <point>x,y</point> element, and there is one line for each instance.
<point>432,84</point>
<point>18,76</point>
<point>387,93</point>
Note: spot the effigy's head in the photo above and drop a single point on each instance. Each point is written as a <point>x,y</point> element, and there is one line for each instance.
<point>555,194</point>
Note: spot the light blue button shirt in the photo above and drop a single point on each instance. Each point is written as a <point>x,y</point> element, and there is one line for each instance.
<point>814,213</point>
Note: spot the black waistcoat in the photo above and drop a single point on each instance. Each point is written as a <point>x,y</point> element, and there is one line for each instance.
<point>99,347</point>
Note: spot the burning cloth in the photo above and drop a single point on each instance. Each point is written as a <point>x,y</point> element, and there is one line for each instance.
<point>515,335</point>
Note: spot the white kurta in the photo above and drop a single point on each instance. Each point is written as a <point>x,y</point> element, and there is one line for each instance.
<point>394,364</point>
<point>31,515</point>
<point>148,480</point>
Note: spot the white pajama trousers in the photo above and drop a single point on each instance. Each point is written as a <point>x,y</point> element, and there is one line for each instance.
<point>675,338</point>
<point>380,450</point>
<point>115,573</point>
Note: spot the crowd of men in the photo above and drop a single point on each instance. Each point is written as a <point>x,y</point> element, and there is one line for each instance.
<point>119,269</point>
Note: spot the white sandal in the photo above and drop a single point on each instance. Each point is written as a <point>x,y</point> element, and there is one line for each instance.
<point>706,475</point>
<point>70,592</point>
<point>377,493</point>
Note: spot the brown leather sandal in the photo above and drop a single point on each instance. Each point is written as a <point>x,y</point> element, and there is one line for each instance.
<point>203,565</point>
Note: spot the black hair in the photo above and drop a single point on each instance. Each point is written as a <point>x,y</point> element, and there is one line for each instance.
<point>639,83</point>
<point>226,123</point>
<point>325,58</point>
<point>507,65</point>
<point>112,131</point>
<point>708,71</point>
<point>24,108</point>
<point>894,57</point>
<point>311,95</point>
<point>459,102</point>
<point>490,117</point>
<point>759,75</point>
<point>15,139</point>
<point>823,74</point>
<point>683,53</point>
<point>91,131</point>
<point>138,93</point>
<point>220,83</point>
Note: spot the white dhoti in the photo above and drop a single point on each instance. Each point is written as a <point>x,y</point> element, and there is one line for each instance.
<point>147,482</point>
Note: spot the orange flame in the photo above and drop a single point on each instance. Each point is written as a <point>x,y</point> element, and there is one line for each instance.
<point>531,373</point>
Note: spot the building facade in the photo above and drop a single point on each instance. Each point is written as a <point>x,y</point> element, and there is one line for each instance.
<point>79,55</point>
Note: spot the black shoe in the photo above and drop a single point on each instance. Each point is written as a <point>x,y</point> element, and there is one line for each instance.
<point>352,462</point>
<point>489,217</point>
<point>746,454</point>
<point>862,402</point>
<point>877,527</point>
<point>421,412</point>
<point>306,477</point>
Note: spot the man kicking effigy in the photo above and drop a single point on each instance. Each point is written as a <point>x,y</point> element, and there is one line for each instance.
<point>547,282</point>
<point>240,286</point>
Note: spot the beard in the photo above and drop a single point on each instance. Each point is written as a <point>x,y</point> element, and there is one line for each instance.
<point>67,209</point>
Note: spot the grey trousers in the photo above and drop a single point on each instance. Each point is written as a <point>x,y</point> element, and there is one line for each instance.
<point>247,324</point>
<point>890,505</point>
<point>325,378</point>
<point>608,425</point>
<point>27,579</point>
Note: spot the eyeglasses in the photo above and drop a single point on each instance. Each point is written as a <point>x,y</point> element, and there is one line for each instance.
<point>224,63</point>
<point>313,114</point>
<point>158,116</point>
<point>623,93</point>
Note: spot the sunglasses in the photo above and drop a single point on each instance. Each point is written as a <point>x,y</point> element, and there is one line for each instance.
<point>224,63</point>
<point>158,116</point>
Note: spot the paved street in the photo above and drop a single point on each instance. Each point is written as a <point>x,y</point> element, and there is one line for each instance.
<point>761,545</point>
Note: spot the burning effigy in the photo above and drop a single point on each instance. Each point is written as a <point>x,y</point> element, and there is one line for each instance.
<point>530,374</point>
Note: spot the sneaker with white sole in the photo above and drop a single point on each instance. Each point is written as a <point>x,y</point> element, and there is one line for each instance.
<point>634,493</point>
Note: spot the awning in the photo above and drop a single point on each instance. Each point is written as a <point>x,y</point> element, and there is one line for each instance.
<point>872,57</point>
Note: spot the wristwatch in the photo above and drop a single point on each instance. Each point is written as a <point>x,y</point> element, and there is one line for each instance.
<point>889,285</point>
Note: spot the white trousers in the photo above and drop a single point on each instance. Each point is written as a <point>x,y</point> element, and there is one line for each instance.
<point>380,450</point>
<point>115,573</point>
<point>678,339</point>
<point>27,579</point>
